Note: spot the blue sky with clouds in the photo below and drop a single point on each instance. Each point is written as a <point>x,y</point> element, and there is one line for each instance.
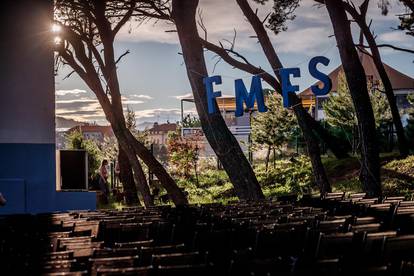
<point>153,76</point>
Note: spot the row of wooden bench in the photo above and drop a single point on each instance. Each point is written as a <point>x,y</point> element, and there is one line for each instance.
<point>336,235</point>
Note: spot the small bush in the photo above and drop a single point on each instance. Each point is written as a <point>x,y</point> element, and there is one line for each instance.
<point>212,186</point>
<point>287,176</point>
<point>398,177</point>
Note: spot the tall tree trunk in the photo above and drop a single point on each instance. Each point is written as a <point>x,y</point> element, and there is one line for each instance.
<point>389,92</point>
<point>138,175</point>
<point>219,136</point>
<point>129,143</point>
<point>126,177</point>
<point>174,192</point>
<point>267,158</point>
<point>140,179</point>
<point>356,79</point>
<point>376,56</point>
<point>321,179</point>
<point>133,147</point>
<point>304,119</point>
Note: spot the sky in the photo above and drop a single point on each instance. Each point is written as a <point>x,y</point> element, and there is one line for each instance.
<point>153,78</point>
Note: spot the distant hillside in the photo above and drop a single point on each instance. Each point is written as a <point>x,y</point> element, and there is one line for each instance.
<point>67,123</point>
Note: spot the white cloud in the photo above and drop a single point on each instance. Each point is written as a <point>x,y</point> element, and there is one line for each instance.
<point>81,105</point>
<point>220,18</point>
<point>140,96</point>
<point>132,102</point>
<point>157,112</point>
<point>69,92</point>
<point>149,31</point>
<point>180,97</point>
<point>307,34</point>
<point>308,41</point>
<point>162,114</point>
<point>135,99</point>
<point>396,37</point>
<point>80,101</point>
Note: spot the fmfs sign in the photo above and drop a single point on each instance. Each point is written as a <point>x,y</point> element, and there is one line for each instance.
<point>255,94</point>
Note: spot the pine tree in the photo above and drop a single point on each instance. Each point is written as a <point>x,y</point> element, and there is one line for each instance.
<point>340,111</point>
<point>274,128</point>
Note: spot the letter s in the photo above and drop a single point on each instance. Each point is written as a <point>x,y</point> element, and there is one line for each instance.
<point>327,83</point>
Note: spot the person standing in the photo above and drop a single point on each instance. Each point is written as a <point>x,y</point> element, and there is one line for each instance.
<point>103,179</point>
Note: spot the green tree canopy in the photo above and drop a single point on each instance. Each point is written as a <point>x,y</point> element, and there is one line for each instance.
<point>75,141</point>
<point>191,121</point>
<point>275,127</point>
<point>340,111</point>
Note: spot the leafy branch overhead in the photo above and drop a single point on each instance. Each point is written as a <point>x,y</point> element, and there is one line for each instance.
<point>283,11</point>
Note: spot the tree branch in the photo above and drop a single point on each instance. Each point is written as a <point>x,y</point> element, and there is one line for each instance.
<point>388,46</point>
<point>121,56</point>
<point>125,18</point>
<point>247,67</point>
<point>262,36</point>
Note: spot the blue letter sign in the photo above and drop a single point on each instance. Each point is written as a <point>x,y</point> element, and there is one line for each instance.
<point>327,83</point>
<point>256,91</point>
<point>211,95</point>
<point>242,96</point>
<point>287,86</point>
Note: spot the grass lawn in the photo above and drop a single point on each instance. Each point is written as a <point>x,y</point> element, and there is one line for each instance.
<point>294,176</point>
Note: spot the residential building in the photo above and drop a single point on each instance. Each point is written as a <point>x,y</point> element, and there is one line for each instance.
<point>94,132</point>
<point>239,126</point>
<point>158,134</point>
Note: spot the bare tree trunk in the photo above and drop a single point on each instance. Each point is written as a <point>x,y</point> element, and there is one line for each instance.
<point>314,154</point>
<point>83,64</point>
<point>133,147</point>
<point>174,192</point>
<point>376,56</point>
<point>138,175</point>
<point>356,79</point>
<point>219,136</point>
<point>126,177</point>
<point>141,181</point>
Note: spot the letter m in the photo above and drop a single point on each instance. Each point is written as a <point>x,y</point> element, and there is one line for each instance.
<point>249,98</point>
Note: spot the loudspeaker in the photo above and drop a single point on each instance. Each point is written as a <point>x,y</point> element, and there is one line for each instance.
<point>72,170</point>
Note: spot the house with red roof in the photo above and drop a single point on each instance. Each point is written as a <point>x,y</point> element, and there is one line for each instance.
<point>159,132</point>
<point>93,132</point>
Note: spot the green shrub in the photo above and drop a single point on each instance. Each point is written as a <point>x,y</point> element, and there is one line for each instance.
<point>287,176</point>
<point>75,141</point>
<point>212,186</point>
<point>398,177</point>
